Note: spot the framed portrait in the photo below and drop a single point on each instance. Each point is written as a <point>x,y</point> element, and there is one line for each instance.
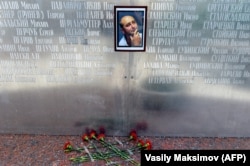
<point>130,28</point>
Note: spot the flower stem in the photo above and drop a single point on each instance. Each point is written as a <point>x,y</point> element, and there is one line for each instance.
<point>120,153</point>
<point>104,156</point>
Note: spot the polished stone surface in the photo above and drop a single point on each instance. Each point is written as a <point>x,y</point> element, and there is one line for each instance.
<point>59,71</point>
<point>48,150</point>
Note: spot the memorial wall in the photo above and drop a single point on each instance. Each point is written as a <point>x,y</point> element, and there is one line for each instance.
<point>61,69</point>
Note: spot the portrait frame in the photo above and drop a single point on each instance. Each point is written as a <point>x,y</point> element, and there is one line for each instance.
<point>140,15</point>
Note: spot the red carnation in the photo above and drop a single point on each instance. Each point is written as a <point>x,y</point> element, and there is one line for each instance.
<point>133,135</point>
<point>101,137</point>
<point>67,147</point>
<point>140,143</point>
<point>92,134</point>
<point>85,137</point>
<point>148,145</point>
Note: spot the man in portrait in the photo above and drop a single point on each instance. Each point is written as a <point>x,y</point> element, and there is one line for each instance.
<point>130,28</point>
<point>131,36</point>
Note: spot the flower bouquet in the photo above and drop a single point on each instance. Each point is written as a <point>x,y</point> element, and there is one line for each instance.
<point>96,147</point>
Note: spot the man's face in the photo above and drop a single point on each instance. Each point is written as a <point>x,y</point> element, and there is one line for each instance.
<point>129,25</point>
